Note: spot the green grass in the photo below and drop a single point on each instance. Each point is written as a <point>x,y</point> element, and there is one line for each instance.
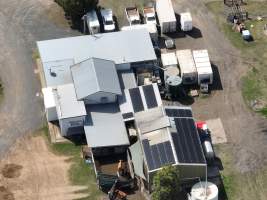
<point>80,173</point>
<point>241,186</point>
<point>253,54</point>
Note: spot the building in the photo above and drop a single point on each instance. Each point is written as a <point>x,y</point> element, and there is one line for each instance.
<point>167,136</point>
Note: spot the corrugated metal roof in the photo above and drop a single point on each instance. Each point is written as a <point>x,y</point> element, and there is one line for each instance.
<point>120,47</point>
<point>94,75</point>
<point>127,79</point>
<point>67,104</point>
<point>104,126</point>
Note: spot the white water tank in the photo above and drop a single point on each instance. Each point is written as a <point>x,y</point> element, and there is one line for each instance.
<point>198,191</point>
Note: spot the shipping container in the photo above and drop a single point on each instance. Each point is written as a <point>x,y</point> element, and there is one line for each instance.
<point>166,16</point>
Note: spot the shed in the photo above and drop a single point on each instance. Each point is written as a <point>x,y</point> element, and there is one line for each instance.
<point>71,112</point>
<point>96,81</point>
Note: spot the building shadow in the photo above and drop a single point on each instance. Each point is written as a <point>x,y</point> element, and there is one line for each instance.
<point>217,83</point>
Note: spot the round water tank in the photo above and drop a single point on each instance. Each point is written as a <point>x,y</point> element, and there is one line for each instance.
<point>174,80</point>
<point>198,191</point>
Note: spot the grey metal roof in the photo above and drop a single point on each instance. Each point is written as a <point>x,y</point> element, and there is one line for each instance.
<point>57,72</point>
<point>127,79</point>
<point>104,126</point>
<point>95,75</point>
<point>66,102</point>
<point>120,47</point>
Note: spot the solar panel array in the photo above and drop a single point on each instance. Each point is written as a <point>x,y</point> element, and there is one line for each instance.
<point>158,155</point>
<point>186,139</point>
<point>178,112</point>
<point>138,102</point>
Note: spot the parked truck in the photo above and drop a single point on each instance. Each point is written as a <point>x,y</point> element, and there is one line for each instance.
<point>107,19</point>
<point>166,16</point>
<point>186,21</point>
<point>92,22</point>
<point>149,15</point>
<point>132,15</point>
<point>187,66</point>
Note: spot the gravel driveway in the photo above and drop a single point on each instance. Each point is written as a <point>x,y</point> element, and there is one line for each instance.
<point>22,23</point>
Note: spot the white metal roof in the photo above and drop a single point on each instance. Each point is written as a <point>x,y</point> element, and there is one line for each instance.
<point>57,72</point>
<point>49,98</point>
<point>165,11</point>
<point>67,104</point>
<point>104,126</point>
<point>132,102</point>
<point>120,47</point>
<point>95,75</point>
<point>127,79</point>
<point>151,28</point>
<point>168,59</point>
<point>186,61</point>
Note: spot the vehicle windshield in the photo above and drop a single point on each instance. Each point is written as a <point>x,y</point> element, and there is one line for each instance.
<point>109,22</point>
<point>151,18</point>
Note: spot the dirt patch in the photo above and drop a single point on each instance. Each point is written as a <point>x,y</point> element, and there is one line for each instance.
<point>44,175</point>
<point>5,194</point>
<point>11,170</point>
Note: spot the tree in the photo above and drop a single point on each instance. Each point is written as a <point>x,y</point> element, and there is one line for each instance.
<point>77,8</point>
<point>166,183</point>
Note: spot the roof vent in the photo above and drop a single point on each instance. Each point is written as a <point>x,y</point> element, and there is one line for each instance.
<point>52,73</point>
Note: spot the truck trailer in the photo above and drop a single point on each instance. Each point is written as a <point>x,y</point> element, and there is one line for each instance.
<point>187,66</point>
<point>166,16</point>
<point>203,66</point>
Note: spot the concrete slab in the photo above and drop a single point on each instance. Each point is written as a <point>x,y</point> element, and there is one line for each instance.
<point>218,135</point>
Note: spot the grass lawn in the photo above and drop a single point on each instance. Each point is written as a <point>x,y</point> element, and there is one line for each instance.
<point>254,54</point>
<point>80,173</point>
<point>246,186</point>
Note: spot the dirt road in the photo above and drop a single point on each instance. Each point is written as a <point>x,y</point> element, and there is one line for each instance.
<point>22,23</point>
<point>245,130</point>
<point>32,172</point>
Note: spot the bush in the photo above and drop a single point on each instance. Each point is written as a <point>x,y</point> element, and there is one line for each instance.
<point>166,184</point>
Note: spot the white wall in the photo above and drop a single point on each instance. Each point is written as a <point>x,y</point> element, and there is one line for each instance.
<point>97,98</point>
<point>67,123</point>
<point>51,114</point>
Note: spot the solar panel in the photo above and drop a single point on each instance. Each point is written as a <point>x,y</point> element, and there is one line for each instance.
<point>136,99</point>
<point>158,155</point>
<point>186,141</point>
<point>150,97</point>
<point>148,155</point>
<point>127,115</point>
<point>169,152</point>
<point>178,112</point>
